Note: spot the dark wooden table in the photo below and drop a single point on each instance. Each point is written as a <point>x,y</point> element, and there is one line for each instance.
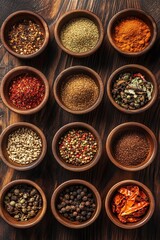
<point>49,174</point>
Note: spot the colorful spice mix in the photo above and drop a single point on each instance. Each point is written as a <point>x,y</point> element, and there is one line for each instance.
<point>78,147</point>
<point>23,202</point>
<point>24,146</point>
<point>79,92</point>
<point>76,203</point>
<point>130,204</point>
<point>26,91</point>
<point>132,35</point>
<point>25,37</point>
<point>132,90</point>
<point>79,35</point>
<point>131,148</point>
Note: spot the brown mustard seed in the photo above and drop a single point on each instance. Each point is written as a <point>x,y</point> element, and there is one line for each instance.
<point>79,92</point>
<point>131,148</point>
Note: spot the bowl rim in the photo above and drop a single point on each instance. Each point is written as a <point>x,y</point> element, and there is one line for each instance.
<point>8,78</point>
<point>146,217</point>
<point>34,128</point>
<point>122,127</point>
<point>45,27</point>
<point>148,16</point>
<point>86,13</point>
<point>140,68</point>
<point>24,224</point>
<point>68,223</point>
<point>62,131</point>
<point>70,72</point>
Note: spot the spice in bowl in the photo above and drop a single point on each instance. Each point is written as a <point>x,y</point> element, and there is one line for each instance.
<point>78,147</point>
<point>26,91</point>
<point>132,91</point>
<point>79,92</point>
<point>79,35</point>
<point>76,203</point>
<point>24,146</point>
<point>25,37</point>
<point>23,202</point>
<point>130,204</point>
<point>131,35</point>
<point>131,148</point>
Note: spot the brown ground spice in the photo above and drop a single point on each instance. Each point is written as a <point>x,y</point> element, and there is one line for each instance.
<point>131,148</point>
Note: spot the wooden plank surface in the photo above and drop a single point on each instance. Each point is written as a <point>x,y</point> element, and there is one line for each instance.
<point>49,174</point>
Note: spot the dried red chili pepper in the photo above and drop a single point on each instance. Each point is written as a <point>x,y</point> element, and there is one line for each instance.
<point>26,91</point>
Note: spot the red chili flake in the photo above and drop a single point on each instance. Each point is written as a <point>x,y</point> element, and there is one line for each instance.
<point>26,91</point>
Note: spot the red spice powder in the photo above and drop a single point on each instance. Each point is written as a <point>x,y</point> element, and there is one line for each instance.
<point>26,91</point>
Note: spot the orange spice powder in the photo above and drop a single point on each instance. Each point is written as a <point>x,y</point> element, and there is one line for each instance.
<point>132,35</point>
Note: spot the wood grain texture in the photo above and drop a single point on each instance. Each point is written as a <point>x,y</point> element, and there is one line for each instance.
<point>49,174</point>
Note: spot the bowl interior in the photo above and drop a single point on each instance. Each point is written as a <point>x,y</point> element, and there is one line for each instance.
<point>78,14</point>
<point>115,219</point>
<point>17,18</point>
<point>9,78</point>
<point>133,69</point>
<point>133,128</point>
<point>66,75</point>
<point>72,166</point>
<point>4,147</point>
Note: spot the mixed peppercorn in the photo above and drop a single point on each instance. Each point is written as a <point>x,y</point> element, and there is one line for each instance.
<point>23,202</point>
<point>26,91</point>
<point>76,203</point>
<point>78,147</point>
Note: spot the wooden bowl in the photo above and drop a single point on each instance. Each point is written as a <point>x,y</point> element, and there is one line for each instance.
<point>8,218</point>
<point>132,12</point>
<point>4,140</point>
<point>65,221</point>
<point>135,68</point>
<point>5,88</point>
<point>69,72</point>
<point>64,19</point>
<point>114,218</point>
<point>61,132</point>
<point>131,126</point>
<point>19,16</point>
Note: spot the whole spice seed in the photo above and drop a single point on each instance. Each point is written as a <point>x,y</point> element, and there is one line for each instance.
<point>79,92</point>
<point>25,37</point>
<point>76,203</point>
<point>132,35</point>
<point>23,202</point>
<point>131,148</point>
<point>79,35</point>
<point>130,204</point>
<point>24,146</point>
<point>132,90</point>
<point>78,147</point>
<point>26,91</point>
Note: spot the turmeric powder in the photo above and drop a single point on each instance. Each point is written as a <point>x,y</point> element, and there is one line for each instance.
<point>132,35</point>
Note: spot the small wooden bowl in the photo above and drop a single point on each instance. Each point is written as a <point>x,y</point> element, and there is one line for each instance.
<point>77,14</point>
<point>16,17</point>
<point>135,68</point>
<point>8,218</point>
<point>113,217</point>
<point>5,88</point>
<point>131,126</point>
<point>132,12</point>
<point>61,132</point>
<point>65,221</point>
<point>66,74</point>
<point>3,145</point>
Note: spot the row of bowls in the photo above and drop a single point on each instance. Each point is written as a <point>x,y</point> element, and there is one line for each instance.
<point>79,125</point>
<point>76,225</point>
<point>64,75</point>
<point>19,15</point>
